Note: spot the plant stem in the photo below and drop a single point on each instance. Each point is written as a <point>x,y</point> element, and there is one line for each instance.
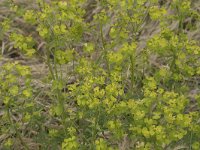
<point>132,72</point>
<point>15,128</point>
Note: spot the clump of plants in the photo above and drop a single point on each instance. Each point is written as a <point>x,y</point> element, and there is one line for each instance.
<point>106,91</point>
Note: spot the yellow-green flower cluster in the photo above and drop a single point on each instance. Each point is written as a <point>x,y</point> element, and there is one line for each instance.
<point>63,57</point>
<point>23,43</point>
<point>9,76</point>
<point>156,12</point>
<point>70,144</point>
<point>180,52</point>
<point>101,144</point>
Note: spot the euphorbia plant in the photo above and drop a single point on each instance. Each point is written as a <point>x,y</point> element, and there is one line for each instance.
<point>106,92</point>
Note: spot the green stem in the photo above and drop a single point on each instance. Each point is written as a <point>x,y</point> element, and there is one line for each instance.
<point>15,128</point>
<point>104,49</point>
<point>132,72</point>
<point>50,66</point>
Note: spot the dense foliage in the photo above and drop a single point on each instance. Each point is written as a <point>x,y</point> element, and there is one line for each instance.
<point>107,89</point>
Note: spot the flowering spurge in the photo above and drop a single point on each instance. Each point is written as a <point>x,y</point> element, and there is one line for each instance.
<point>150,121</point>
<point>121,96</point>
<point>16,99</point>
